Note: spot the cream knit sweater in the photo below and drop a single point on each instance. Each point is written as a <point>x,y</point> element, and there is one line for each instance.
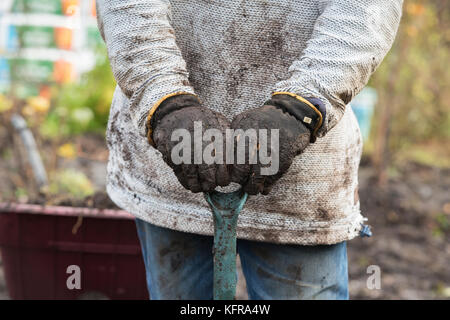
<point>233,55</point>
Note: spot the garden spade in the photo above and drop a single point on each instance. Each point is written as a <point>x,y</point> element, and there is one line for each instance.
<point>225,208</point>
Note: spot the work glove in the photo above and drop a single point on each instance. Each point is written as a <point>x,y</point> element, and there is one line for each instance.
<point>180,112</point>
<point>296,119</point>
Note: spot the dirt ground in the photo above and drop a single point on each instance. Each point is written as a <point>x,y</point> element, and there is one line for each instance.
<point>411,243</point>
<point>410,220</point>
<point>411,236</point>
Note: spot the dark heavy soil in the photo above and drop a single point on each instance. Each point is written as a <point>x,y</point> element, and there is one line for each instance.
<point>410,219</point>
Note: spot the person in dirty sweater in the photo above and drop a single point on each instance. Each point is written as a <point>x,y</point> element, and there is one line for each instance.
<point>291,65</point>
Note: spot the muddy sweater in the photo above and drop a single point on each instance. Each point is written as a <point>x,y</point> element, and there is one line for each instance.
<point>233,55</point>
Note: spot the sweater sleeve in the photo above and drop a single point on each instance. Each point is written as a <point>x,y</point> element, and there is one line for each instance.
<point>145,59</point>
<point>349,40</point>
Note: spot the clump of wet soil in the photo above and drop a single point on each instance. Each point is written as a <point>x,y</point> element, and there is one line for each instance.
<point>99,200</point>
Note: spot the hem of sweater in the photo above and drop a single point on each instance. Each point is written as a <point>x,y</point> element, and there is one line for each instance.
<point>157,213</point>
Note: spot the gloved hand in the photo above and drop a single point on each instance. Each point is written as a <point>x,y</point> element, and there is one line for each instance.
<point>180,112</point>
<point>297,123</point>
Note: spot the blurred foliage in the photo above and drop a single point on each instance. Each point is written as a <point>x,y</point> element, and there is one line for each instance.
<point>441,225</point>
<point>414,82</point>
<point>67,151</point>
<point>21,194</point>
<point>5,103</point>
<point>70,182</point>
<point>83,106</point>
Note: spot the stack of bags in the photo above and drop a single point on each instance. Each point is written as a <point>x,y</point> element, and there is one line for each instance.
<point>43,42</point>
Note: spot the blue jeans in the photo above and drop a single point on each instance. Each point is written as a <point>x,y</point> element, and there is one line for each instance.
<point>179,265</point>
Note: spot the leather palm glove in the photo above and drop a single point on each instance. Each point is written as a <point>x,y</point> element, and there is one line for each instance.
<point>297,120</point>
<point>180,112</point>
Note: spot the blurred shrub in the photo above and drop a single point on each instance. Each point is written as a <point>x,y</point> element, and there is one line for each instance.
<point>67,151</point>
<point>70,182</point>
<point>5,103</point>
<point>414,79</point>
<point>83,106</point>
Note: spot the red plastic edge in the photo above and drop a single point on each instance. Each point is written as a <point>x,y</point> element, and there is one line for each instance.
<point>6,207</point>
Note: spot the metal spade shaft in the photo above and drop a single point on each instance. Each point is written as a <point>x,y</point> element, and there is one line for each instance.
<point>225,208</point>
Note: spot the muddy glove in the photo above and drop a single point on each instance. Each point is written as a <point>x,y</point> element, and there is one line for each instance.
<point>297,120</point>
<point>180,112</point>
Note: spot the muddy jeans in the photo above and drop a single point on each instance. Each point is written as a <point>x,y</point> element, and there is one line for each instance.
<point>180,266</point>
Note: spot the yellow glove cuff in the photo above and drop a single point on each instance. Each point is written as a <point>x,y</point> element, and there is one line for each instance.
<point>153,110</point>
<point>319,114</point>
